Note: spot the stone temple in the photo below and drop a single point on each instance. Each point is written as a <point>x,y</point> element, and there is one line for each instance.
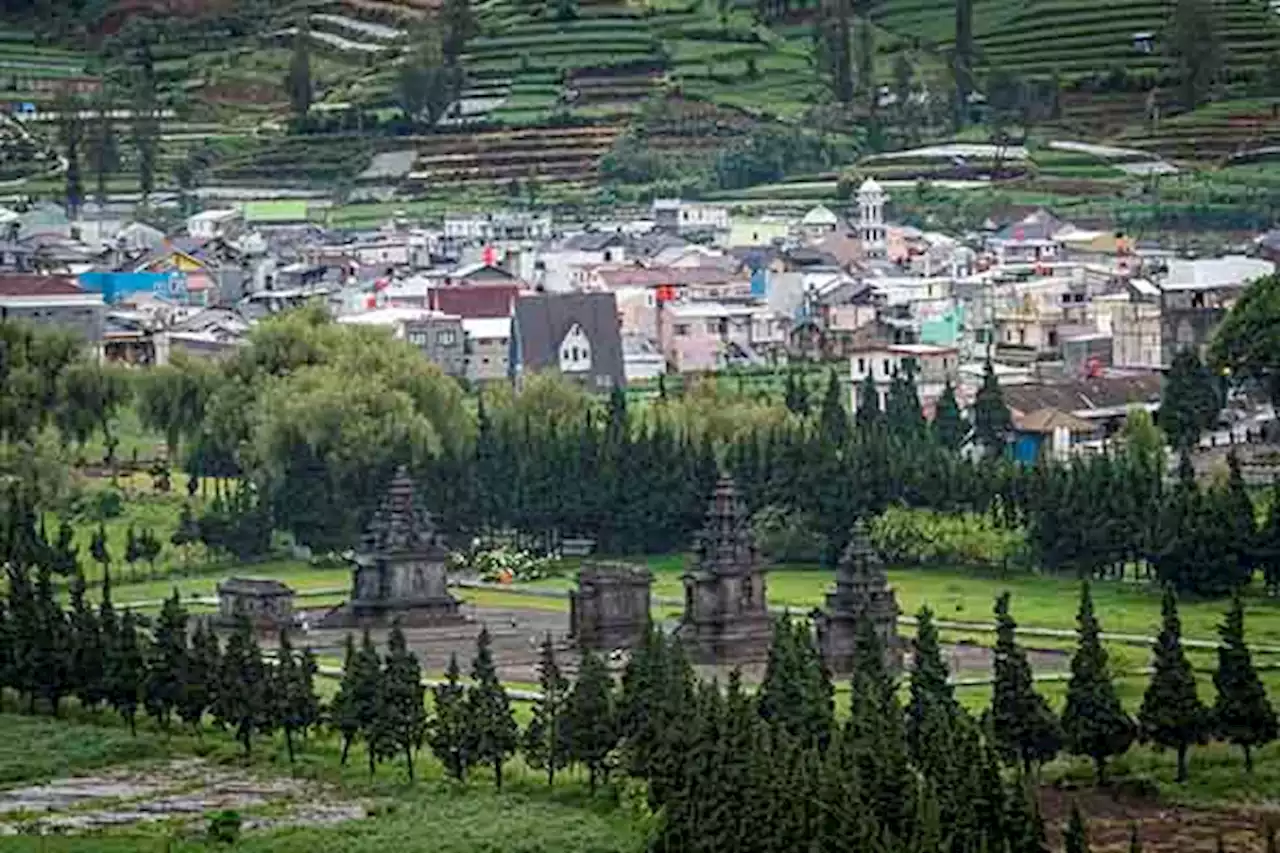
<point>399,569</point>
<point>267,603</point>
<point>610,608</point>
<point>726,616</point>
<point>862,591</point>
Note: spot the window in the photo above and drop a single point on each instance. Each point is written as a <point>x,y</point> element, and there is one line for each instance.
<point>604,380</point>
<point>418,339</point>
<point>681,330</point>
<point>713,327</point>
<point>1022,337</point>
<point>887,371</point>
<point>446,337</point>
<point>862,367</point>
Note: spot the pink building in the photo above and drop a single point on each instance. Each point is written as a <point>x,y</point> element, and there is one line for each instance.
<point>702,336</point>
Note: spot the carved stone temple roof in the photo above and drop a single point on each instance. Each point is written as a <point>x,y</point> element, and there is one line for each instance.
<point>726,544</point>
<point>402,525</point>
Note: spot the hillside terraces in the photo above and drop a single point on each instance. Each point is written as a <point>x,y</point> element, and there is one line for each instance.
<point>1212,133</point>
<point>489,158</point>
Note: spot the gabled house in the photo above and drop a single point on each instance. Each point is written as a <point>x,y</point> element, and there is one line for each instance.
<point>574,334</point>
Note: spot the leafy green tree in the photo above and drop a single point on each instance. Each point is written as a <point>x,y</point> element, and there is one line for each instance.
<point>949,427</point>
<point>1189,401</point>
<point>1246,345</point>
<point>1172,715</point>
<point>297,705</point>
<point>243,702</point>
<point>591,718</point>
<point>1242,713</point>
<point>427,83</point>
<point>200,682</point>
<point>402,719</point>
<point>1143,440</point>
<point>1025,728</point>
<point>546,743</point>
<point>167,662</point>
<point>1196,47</point>
<point>132,548</point>
<point>795,395</point>
<point>492,734</point>
<point>447,734</point>
<point>992,421</point>
<point>126,670</point>
<point>1093,721</point>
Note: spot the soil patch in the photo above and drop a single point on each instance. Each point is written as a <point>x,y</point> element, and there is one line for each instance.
<point>183,791</point>
<point>1163,828</point>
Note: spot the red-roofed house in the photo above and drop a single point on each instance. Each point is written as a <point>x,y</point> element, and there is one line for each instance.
<point>52,300</point>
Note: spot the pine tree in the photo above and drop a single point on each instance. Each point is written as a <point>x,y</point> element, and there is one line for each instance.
<point>492,734</point>
<point>243,700</point>
<point>903,414</point>
<point>132,549</point>
<point>1076,837</point>
<point>949,427</point>
<point>344,713</point>
<point>401,721</point>
<point>546,743</point>
<point>447,735</point>
<point>1172,715</point>
<point>1024,726</point>
<point>167,662</point>
<point>298,80</point>
<point>355,707</point>
<point>796,394</point>
<point>992,421</point>
<point>1024,831</point>
<point>1135,841</point>
<point>1093,721</point>
<point>126,671</point>
<point>297,705</point>
<point>199,686</point>
<point>87,656</point>
<point>1242,713</point>
<point>591,718</point>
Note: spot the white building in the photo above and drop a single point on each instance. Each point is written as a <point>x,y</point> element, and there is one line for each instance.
<point>209,224</point>
<point>682,216</point>
<point>934,365</point>
<point>871,228</point>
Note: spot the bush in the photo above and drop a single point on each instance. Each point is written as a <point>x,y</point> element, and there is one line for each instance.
<point>787,536</point>
<point>501,564</point>
<point>100,505</point>
<point>224,827</point>
<point>908,536</point>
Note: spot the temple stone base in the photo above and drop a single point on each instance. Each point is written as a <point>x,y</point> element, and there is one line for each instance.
<point>610,608</point>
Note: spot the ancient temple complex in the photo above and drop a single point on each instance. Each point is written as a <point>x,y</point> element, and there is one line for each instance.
<point>726,616</point>
<point>610,608</point>
<point>399,569</point>
<point>862,591</point>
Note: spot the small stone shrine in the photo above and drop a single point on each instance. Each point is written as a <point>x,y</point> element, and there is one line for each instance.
<point>726,616</point>
<point>399,570</point>
<point>267,603</point>
<point>861,588</point>
<point>610,608</point>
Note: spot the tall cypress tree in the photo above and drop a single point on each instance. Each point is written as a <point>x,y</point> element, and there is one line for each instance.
<point>932,701</point>
<point>1172,715</point>
<point>126,671</point>
<point>992,421</point>
<point>1024,826</point>
<point>1242,713</point>
<point>492,733</point>
<point>167,662</point>
<point>796,693</point>
<point>546,744</point>
<point>244,700</point>
<point>87,654</point>
<point>297,705</point>
<point>1024,726</point>
<point>949,427</point>
<point>50,647</point>
<point>1189,400</point>
<point>447,734</point>
<point>869,417</point>
<point>1093,721</point>
<point>1076,837</point>
<point>591,718</point>
<point>401,721</point>
<point>833,420</point>
<point>200,684</point>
